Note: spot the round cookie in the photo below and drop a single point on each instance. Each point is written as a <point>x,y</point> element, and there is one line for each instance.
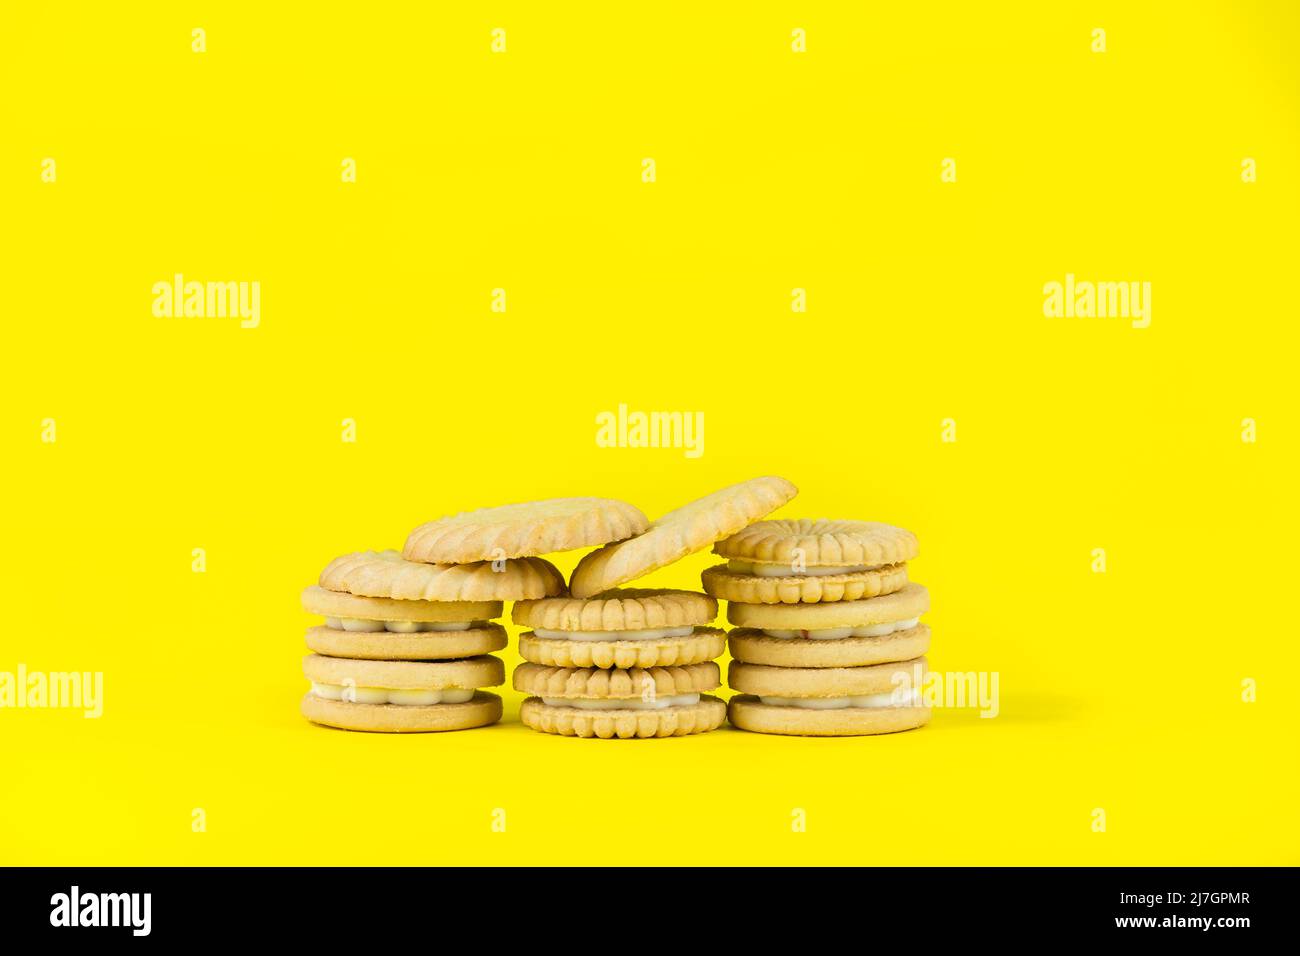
<point>687,529</point>
<point>628,609</point>
<point>728,585</point>
<point>423,646</point>
<point>821,543</point>
<point>326,603</point>
<point>754,647</point>
<point>470,673</point>
<point>520,530</point>
<point>385,574</point>
<point>908,602</point>
<point>482,709</point>
<point>764,680</point>
<point>702,644</point>
<point>705,715</point>
<point>596,683</point>
<point>749,713</point>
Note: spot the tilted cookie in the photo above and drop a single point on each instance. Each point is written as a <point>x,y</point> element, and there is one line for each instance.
<point>728,585</point>
<point>754,647</point>
<point>520,530</point>
<point>690,528</point>
<point>828,702</point>
<point>402,696</point>
<point>706,714</point>
<point>341,605</point>
<point>778,546</point>
<point>872,617</point>
<point>386,574</point>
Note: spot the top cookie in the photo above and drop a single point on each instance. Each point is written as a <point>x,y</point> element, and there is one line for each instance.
<point>619,610</point>
<point>802,542</point>
<point>522,530</point>
<point>689,528</point>
<point>385,574</point>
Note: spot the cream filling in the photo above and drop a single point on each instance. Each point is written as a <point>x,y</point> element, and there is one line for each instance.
<point>397,627</point>
<point>389,695</point>
<point>648,634</point>
<point>839,633</point>
<point>766,569</point>
<point>630,703</point>
<point>911,698</point>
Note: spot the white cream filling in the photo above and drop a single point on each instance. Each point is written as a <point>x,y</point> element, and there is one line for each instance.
<point>648,634</point>
<point>766,569</point>
<point>389,695</point>
<point>396,627</point>
<point>910,698</point>
<point>630,703</point>
<point>839,633</point>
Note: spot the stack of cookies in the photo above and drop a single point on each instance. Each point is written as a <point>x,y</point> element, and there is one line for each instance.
<point>622,663</point>
<point>828,639</point>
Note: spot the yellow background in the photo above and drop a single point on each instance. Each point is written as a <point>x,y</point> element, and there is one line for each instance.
<point>1120,691</point>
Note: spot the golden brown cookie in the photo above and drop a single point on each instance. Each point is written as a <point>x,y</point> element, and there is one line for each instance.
<point>697,718</point>
<point>804,542</point>
<point>702,644</point>
<point>730,585</point>
<point>749,713</point>
<point>629,609</point>
<point>385,574</point>
<point>906,603</point>
<point>690,528</point>
<point>340,604</point>
<point>520,530</point>
<point>482,709</point>
<point>754,647</point>
<point>637,683</point>
<point>764,680</point>
<point>468,674</point>
<point>422,646</point>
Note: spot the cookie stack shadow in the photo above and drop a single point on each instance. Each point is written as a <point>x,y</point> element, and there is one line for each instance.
<point>827,639</point>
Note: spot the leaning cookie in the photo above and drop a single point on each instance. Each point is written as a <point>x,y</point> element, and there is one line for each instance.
<point>521,530</point>
<point>402,696</point>
<point>620,628</point>
<point>386,574</point>
<point>828,702</point>
<point>619,702</point>
<point>680,532</point>
<point>387,629</point>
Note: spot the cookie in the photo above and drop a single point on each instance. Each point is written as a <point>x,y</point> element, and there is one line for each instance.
<point>690,528</point>
<point>421,646</point>
<point>341,605</point>
<point>635,686</point>
<point>480,710</point>
<point>754,647</point>
<point>520,530</point>
<point>830,701</point>
<point>817,545</point>
<point>729,585</point>
<point>629,609</point>
<point>697,645</point>
<point>385,574</point>
<point>871,617</point>
<point>402,696</point>
<point>704,715</point>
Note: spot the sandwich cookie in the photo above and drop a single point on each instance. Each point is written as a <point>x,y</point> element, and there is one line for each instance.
<point>386,574</point>
<point>520,530</point>
<point>386,629</point>
<point>838,634</point>
<point>402,696</point>
<point>688,529</point>
<point>803,561</point>
<point>828,701</point>
<point>620,702</point>
<point>620,628</point>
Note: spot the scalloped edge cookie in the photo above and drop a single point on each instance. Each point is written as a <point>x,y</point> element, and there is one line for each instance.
<point>802,589</point>
<point>385,574</point>
<point>599,683</point>
<point>708,714</point>
<point>426,646</point>
<point>764,680</point>
<point>821,543</point>
<point>326,603</point>
<point>471,672</point>
<point>524,529</point>
<point>692,527</point>
<point>754,647</point>
<point>631,609</point>
<point>911,600</point>
<point>705,644</point>
<point>483,709</point>
<point>747,712</point>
